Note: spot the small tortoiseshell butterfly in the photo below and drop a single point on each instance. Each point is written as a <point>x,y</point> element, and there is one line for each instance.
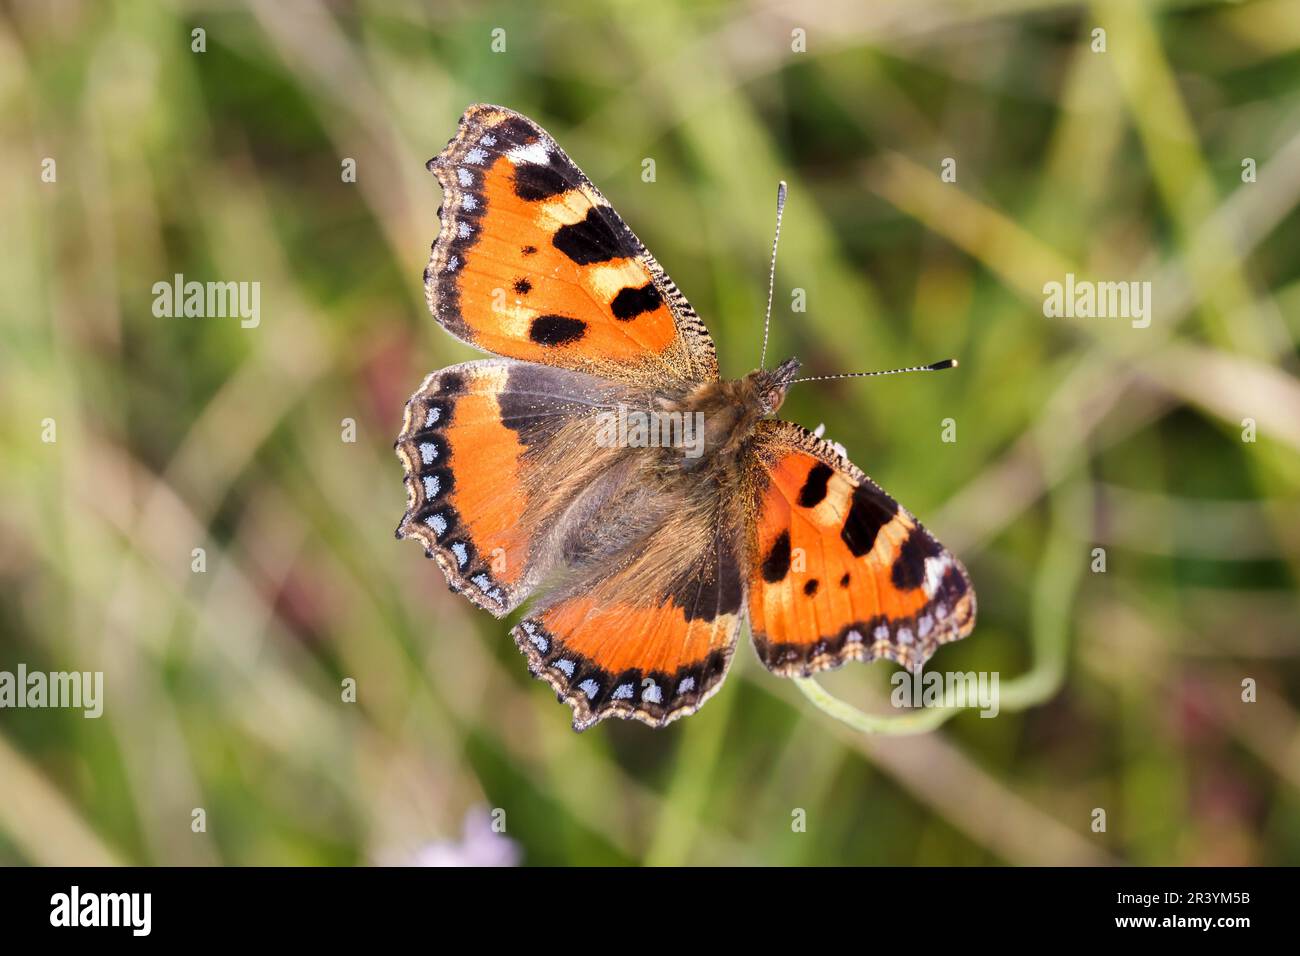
<point>640,558</point>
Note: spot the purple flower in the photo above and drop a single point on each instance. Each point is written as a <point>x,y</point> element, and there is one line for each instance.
<point>482,843</point>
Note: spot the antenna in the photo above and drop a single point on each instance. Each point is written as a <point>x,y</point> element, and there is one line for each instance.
<point>935,367</point>
<point>771,274</point>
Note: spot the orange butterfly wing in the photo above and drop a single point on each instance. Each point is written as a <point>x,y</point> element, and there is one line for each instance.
<point>630,642</point>
<point>478,495</point>
<point>839,570</point>
<point>532,263</point>
<point>646,631</point>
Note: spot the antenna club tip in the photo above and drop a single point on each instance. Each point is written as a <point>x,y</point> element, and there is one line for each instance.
<point>946,363</point>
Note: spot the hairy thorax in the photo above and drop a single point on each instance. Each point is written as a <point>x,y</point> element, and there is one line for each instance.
<point>729,411</point>
<point>605,503</point>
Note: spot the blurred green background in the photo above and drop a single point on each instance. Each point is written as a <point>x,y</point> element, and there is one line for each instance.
<point>1121,690</point>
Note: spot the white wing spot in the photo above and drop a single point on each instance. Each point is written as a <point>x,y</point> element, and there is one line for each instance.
<point>487,139</point>
<point>483,581</point>
<point>452,264</point>
<point>428,452</point>
<point>469,202</point>
<point>686,686</point>
<point>652,694</point>
<point>431,486</point>
<point>881,633</point>
<point>535,153</point>
<point>463,230</point>
<point>590,688</point>
<point>538,641</point>
<point>566,665</point>
<point>904,636</point>
<point>465,176</point>
<point>438,523</point>
<point>476,156</point>
<point>935,568</point>
<point>924,626</point>
<point>431,416</point>
<point>462,555</point>
<point>623,692</point>
<point>853,637</point>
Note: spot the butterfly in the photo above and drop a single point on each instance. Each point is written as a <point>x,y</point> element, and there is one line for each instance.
<point>599,468</point>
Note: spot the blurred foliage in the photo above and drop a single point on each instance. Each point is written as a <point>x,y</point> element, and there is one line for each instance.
<point>1122,689</point>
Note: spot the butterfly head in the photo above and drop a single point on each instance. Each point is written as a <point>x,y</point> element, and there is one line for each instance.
<point>770,384</point>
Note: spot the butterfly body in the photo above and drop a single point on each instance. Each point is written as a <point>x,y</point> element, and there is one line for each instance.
<point>601,470</point>
<point>729,413</point>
